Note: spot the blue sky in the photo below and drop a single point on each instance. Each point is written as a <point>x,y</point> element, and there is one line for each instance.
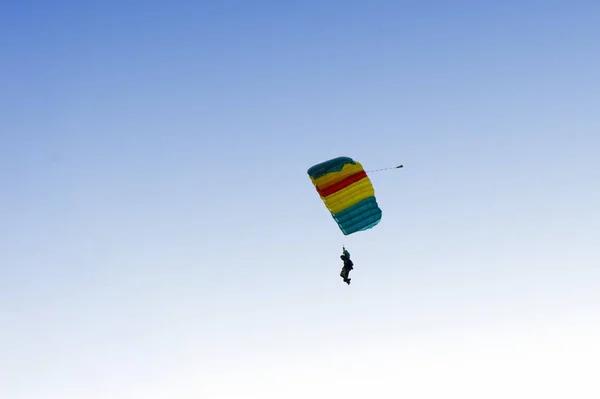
<point>159,236</point>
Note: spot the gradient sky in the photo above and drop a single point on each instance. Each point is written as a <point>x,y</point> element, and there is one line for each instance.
<point>160,238</point>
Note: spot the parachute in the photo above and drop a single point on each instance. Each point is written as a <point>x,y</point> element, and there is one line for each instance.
<point>347,192</point>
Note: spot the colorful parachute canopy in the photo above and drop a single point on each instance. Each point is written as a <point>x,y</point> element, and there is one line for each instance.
<point>347,192</point>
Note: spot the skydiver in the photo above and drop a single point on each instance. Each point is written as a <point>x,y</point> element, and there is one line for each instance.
<point>348,265</point>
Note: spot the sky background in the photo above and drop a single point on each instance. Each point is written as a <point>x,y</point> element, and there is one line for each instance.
<point>160,238</point>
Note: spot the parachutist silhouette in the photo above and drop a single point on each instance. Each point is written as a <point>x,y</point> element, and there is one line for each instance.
<point>348,265</point>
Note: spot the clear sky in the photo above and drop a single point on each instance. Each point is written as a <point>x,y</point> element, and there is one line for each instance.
<point>160,238</point>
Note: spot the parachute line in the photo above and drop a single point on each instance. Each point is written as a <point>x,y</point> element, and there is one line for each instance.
<point>379,170</point>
